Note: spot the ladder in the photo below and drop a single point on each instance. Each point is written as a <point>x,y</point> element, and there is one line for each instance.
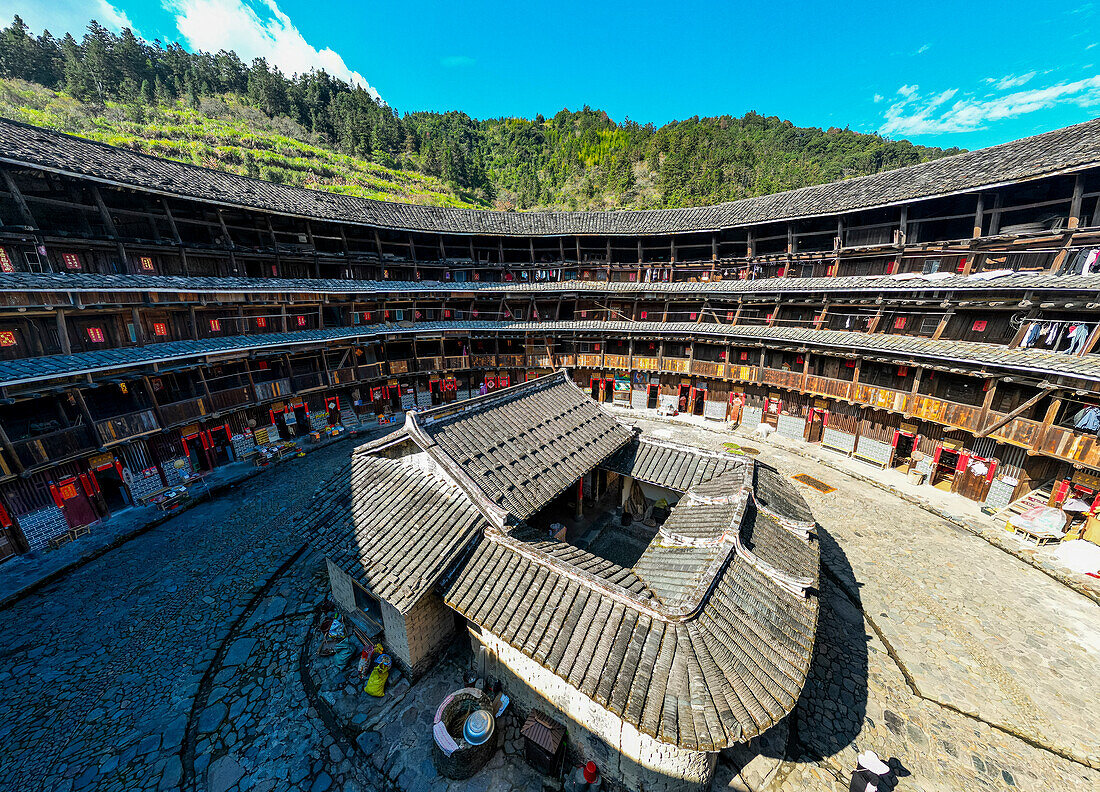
<point>1037,497</point>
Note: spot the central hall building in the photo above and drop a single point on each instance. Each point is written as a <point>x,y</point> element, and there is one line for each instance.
<point>451,525</point>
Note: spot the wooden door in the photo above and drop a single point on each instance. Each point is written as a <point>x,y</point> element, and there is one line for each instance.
<point>78,508</point>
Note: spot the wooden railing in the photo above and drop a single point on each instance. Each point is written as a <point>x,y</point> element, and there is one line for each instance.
<point>342,376</point>
<point>456,362</point>
<point>182,412</point>
<point>121,427</point>
<point>704,368</point>
<point>369,371</point>
<point>483,361</point>
<point>540,361</point>
<point>620,362</point>
<point>54,446</point>
<point>266,391</point>
<point>230,398</point>
<point>565,360</point>
<point>431,363</point>
<point>590,361</point>
<point>301,382</point>
<point>645,363</point>
<point>675,365</point>
<point>511,361</point>
<point>399,366</point>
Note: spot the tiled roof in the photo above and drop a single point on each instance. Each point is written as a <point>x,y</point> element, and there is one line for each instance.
<point>924,351</point>
<point>525,445</point>
<point>668,465</point>
<point>393,528</point>
<point>1062,150</point>
<point>92,282</point>
<point>719,655</point>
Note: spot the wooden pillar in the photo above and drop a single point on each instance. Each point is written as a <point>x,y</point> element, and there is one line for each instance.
<point>577,240</point>
<point>1048,421</point>
<point>83,407</point>
<point>903,225</point>
<point>194,322</point>
<point>282,316</point>
<point>139,331</point>
<point>378,246</point>
<point>275,244</point>
<point>152,396</point>
<point>943,324</point>
<point>750,244</point>
<point>979,216</point>
<point>876,320</point>
<point>531,242</point>
<point>987,403</point>
<point>176,235</point>
<point>1090,344</point>
<point>995,218</point>
<point>1074,218</point>
<point>63,333</point>
<point>792,240</point>
<point>713,247</point>
<point>109,224</point>
<point>641,259</point>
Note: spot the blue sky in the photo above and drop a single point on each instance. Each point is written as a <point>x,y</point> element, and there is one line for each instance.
<point>949,74</point>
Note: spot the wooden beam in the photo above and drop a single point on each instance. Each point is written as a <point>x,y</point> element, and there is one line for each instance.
<point>20,202</point>
<point>1046,391</point>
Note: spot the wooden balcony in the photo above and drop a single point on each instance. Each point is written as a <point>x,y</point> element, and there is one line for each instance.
<point>342,376</point>
<point>230,398</point>
<point>676,365</point>
<point>590,361</point>
<point>705,368</point>
<point>298,384</point>
<point>646,363</point>
<point>564,361</point>
<point>511,361</point>
<point>181,412</point>
<point>454,362</point>
<point>369,371</point>
<point>540,361</point>
<point>399,367</point>
<point>483,361</point>
<point>267,391</point>
<point>743,374</point>
<point>53,447</point>
<point>433,363</point>
<point>123,427</point>
<point>618,362</point>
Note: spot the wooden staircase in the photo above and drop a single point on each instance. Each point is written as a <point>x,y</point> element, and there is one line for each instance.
<point>1037,497</point>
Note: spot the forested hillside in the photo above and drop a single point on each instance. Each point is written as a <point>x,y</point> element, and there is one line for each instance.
<point>320,132</point>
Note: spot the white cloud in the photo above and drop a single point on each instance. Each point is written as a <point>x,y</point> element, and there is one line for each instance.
<point>65,16</point>
<point>923,49</point>
<point>257,29</point>
<point>918,114</point>
<point>878,98</point>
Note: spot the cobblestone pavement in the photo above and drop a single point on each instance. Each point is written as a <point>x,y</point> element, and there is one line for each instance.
<point>971,669</point>
<point>99,671</point>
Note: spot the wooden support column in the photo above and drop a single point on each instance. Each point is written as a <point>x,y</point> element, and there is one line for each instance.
<point>176,236</point>
<point>713,247</point>
<point>275,245</point>
<point>641,259</point>
<point>876,320</point>
<point>205,385</point>
<point>750,244</point>
<point>1049,417</point>
<point>979,217</point>
<point>83,407</point>
<point>109,224</point>
<point>282,316</point>
<point>903,225</point>
<point>987,403</point>
<point>792,240</point>
<point>63,333</point>
<point>531,242</point>
<point>139,331</point>
<point>1074,219</point>
<point>913,392</point>
<point>819,320</point>
<point>672,249</point>
<point>737,313</point>
<point>378,246</point>
<point>577,241</point>
<point>313,245</point>
<point>995,217</point>
<point>942,326</point>
<point>805,371</point>
<point>1032,315</point>
<point>150,394</point>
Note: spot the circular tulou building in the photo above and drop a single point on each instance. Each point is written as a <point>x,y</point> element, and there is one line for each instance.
<point>160,320</point>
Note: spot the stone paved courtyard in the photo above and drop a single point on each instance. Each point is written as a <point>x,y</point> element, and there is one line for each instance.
<point>176,661</point>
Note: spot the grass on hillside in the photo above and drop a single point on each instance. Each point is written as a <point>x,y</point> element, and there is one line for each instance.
<point>225,135</point>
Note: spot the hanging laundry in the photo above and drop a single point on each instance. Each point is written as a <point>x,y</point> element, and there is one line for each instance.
<point>1032,335</point>
<point>1087,419</point>
<point>1078,337</point>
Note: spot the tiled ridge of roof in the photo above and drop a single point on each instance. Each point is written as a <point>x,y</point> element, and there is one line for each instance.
<point>95,282</point>
<point>925,350</point>
<point>1062,150</point>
